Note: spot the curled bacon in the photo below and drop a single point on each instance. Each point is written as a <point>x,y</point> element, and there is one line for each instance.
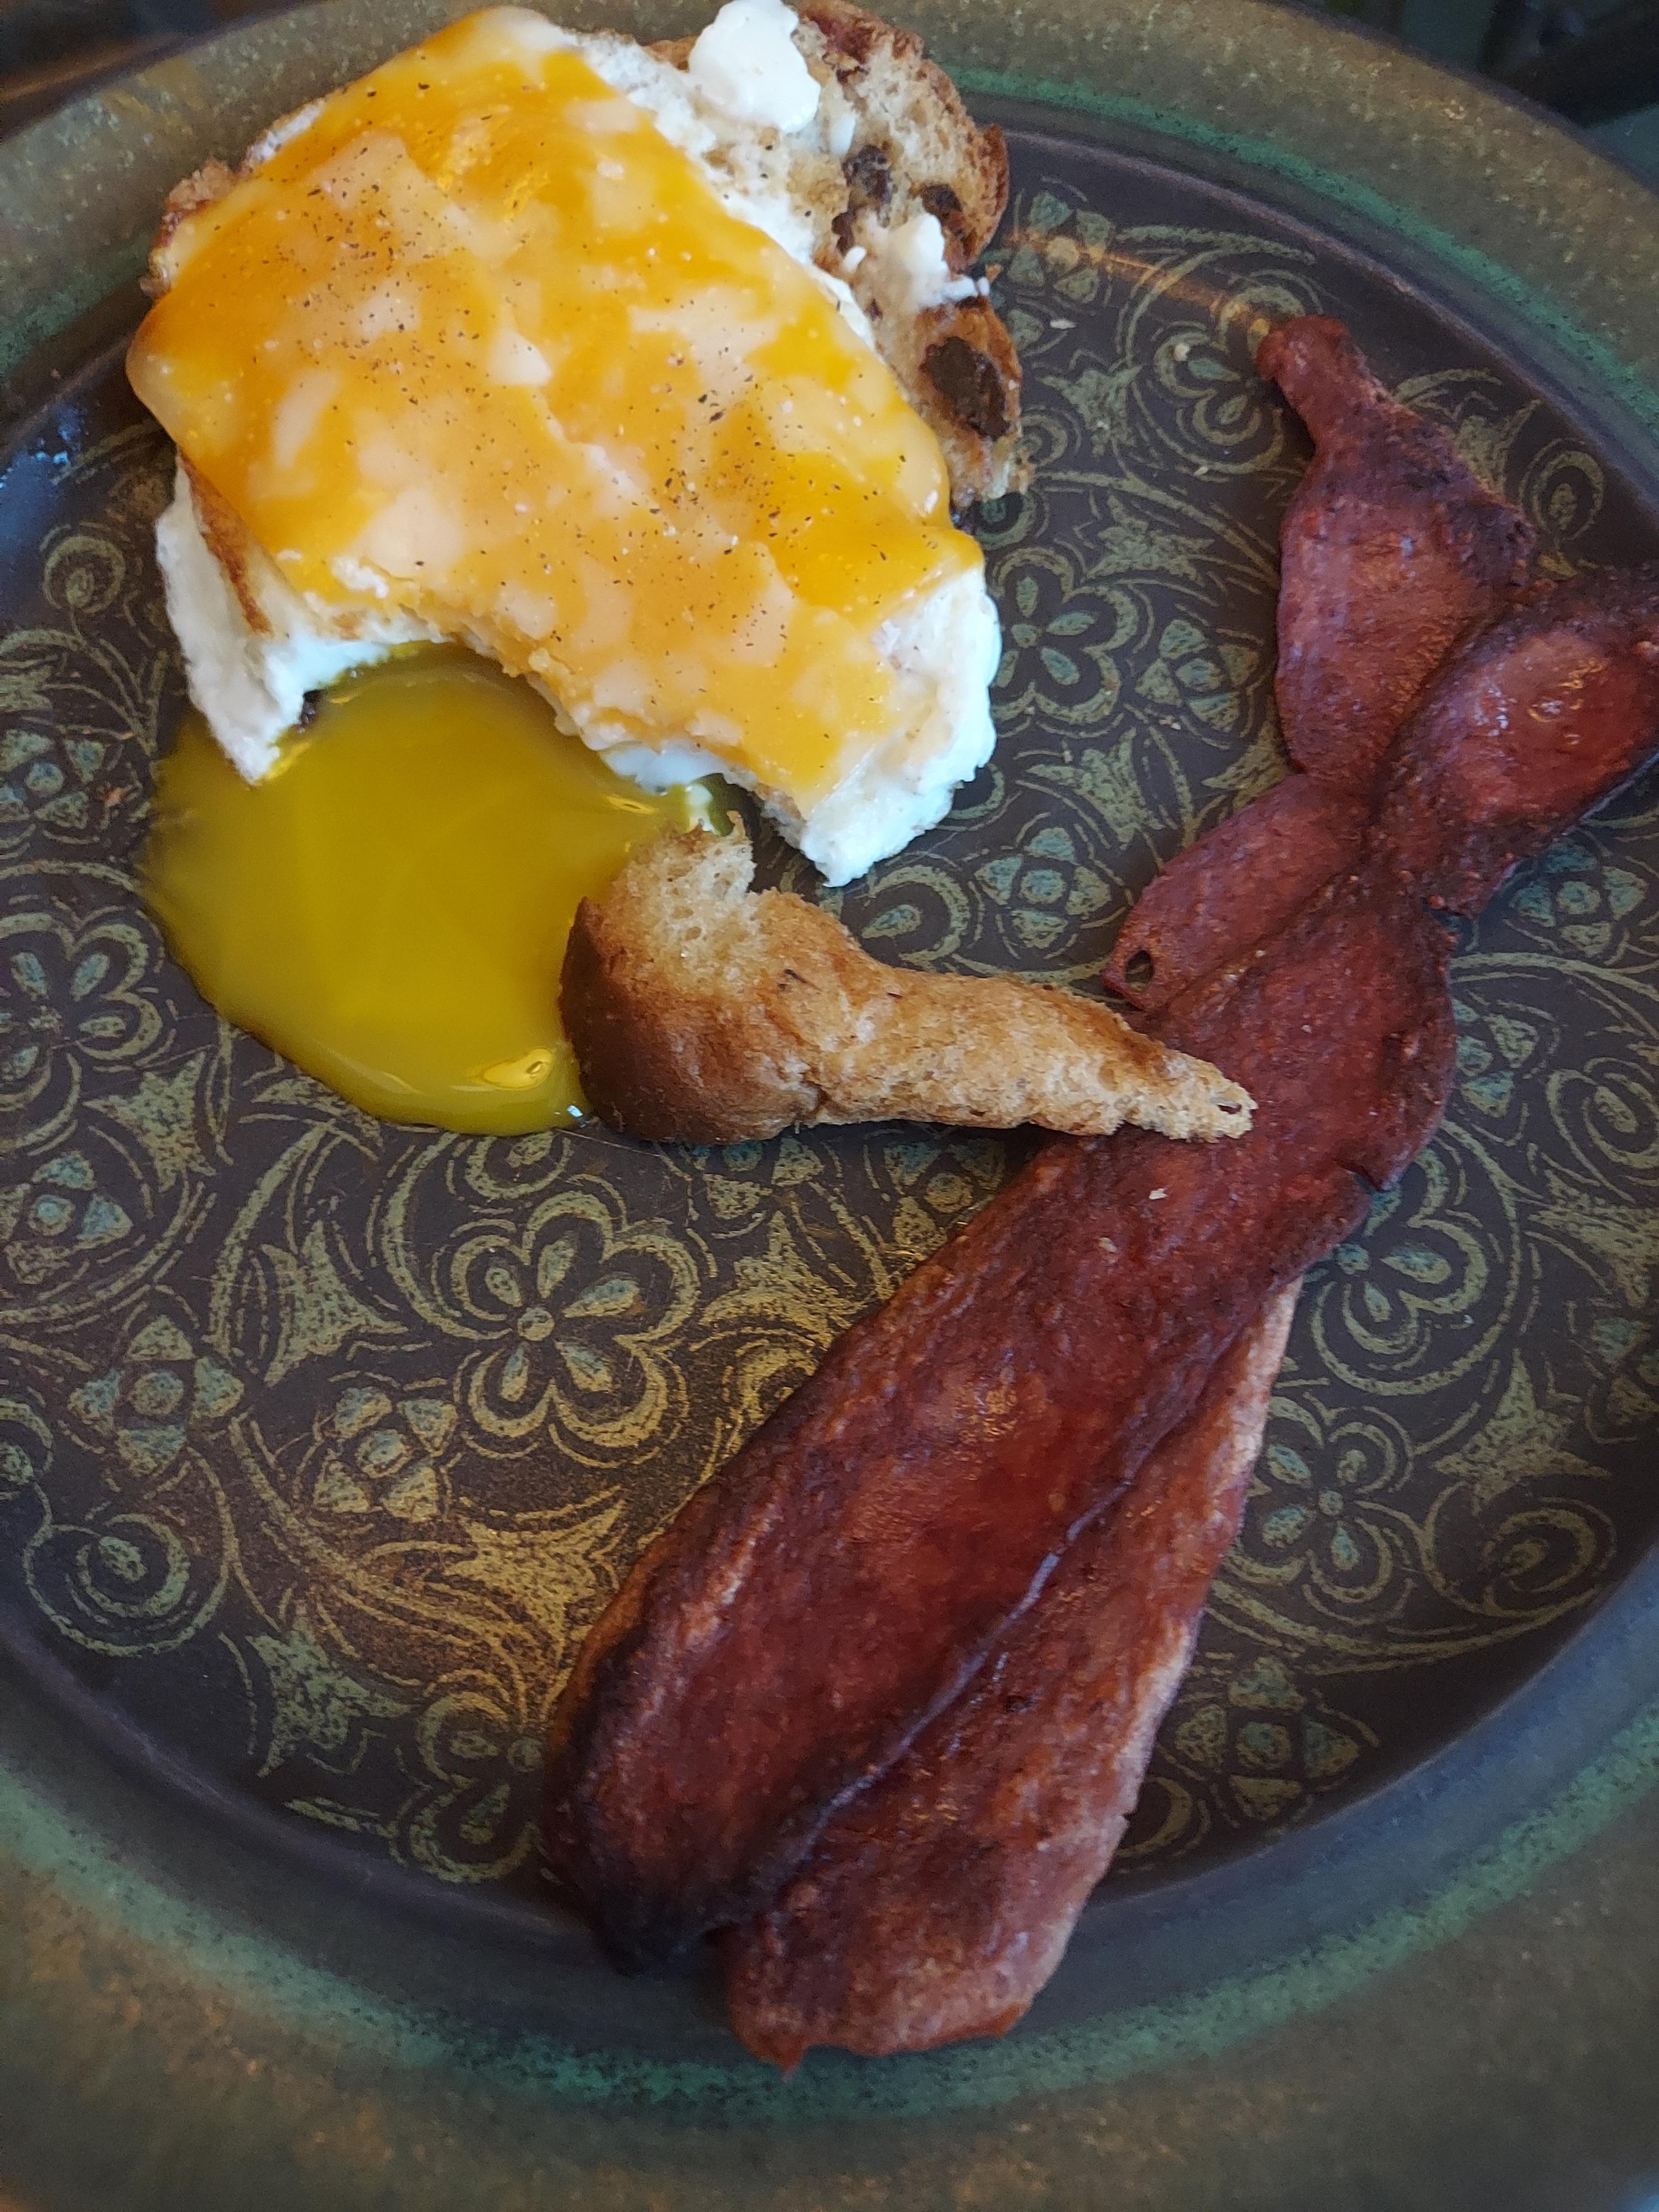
<point>1234,887</point>
<point>1390,551</point>
<point>1533,721</point>
<point>819,1611</point>
<point>1537,720</point>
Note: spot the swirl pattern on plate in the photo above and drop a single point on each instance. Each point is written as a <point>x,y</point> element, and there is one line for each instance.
<point>322,1441</point>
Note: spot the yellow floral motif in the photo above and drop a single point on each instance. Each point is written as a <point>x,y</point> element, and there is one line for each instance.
<point>1424,1292</point>
<point>145,1408</point>
<point>56,1217</point>
<point>75,1004</point>
<point>1250,1747</point>
<point>581,1306</point>
<point>473,1817</point>
<point>1325,1507</point>
<point>378,1456</point>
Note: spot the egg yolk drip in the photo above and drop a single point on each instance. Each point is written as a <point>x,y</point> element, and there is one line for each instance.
<point>389,907</point>
<point>479,343</point>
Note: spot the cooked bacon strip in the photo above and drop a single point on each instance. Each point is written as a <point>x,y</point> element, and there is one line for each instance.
<point>1237,886</point>
<point>1537,720</point>
<point>830,1594</point>
<point>939,1900</point>
<point>842,1579</point>
<point>937,1903</point>
<point>1391,549</point>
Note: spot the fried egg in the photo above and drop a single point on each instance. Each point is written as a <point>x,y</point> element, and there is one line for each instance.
<point>504,346</point>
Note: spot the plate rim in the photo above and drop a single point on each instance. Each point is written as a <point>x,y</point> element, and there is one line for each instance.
<point>106,109</point>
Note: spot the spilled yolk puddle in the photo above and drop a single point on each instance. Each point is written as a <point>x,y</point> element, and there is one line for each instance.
<point>389,908</point>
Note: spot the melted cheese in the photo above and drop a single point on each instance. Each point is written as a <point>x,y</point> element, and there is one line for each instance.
<point>476,346</point>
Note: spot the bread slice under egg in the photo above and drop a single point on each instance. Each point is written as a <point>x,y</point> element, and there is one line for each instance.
<point>891,193</point>
<point>914,152</point>
<point>704,1012</point>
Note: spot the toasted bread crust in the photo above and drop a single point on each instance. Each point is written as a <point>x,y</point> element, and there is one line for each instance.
<point>956,363</point>
<point>704,1013</point>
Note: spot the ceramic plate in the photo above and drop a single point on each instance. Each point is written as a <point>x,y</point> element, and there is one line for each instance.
<point>324,1441</point>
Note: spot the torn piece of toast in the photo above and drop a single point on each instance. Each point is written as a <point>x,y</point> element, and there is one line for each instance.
<point>703,1012</point>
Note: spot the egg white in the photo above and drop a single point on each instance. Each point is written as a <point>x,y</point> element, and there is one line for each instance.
<point>249,673</point>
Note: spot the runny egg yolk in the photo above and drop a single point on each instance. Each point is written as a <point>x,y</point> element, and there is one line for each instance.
<point>477,344</point>
<point>390,907</point>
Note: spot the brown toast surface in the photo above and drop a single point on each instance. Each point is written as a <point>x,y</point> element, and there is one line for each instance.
<point>704,1012</point>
